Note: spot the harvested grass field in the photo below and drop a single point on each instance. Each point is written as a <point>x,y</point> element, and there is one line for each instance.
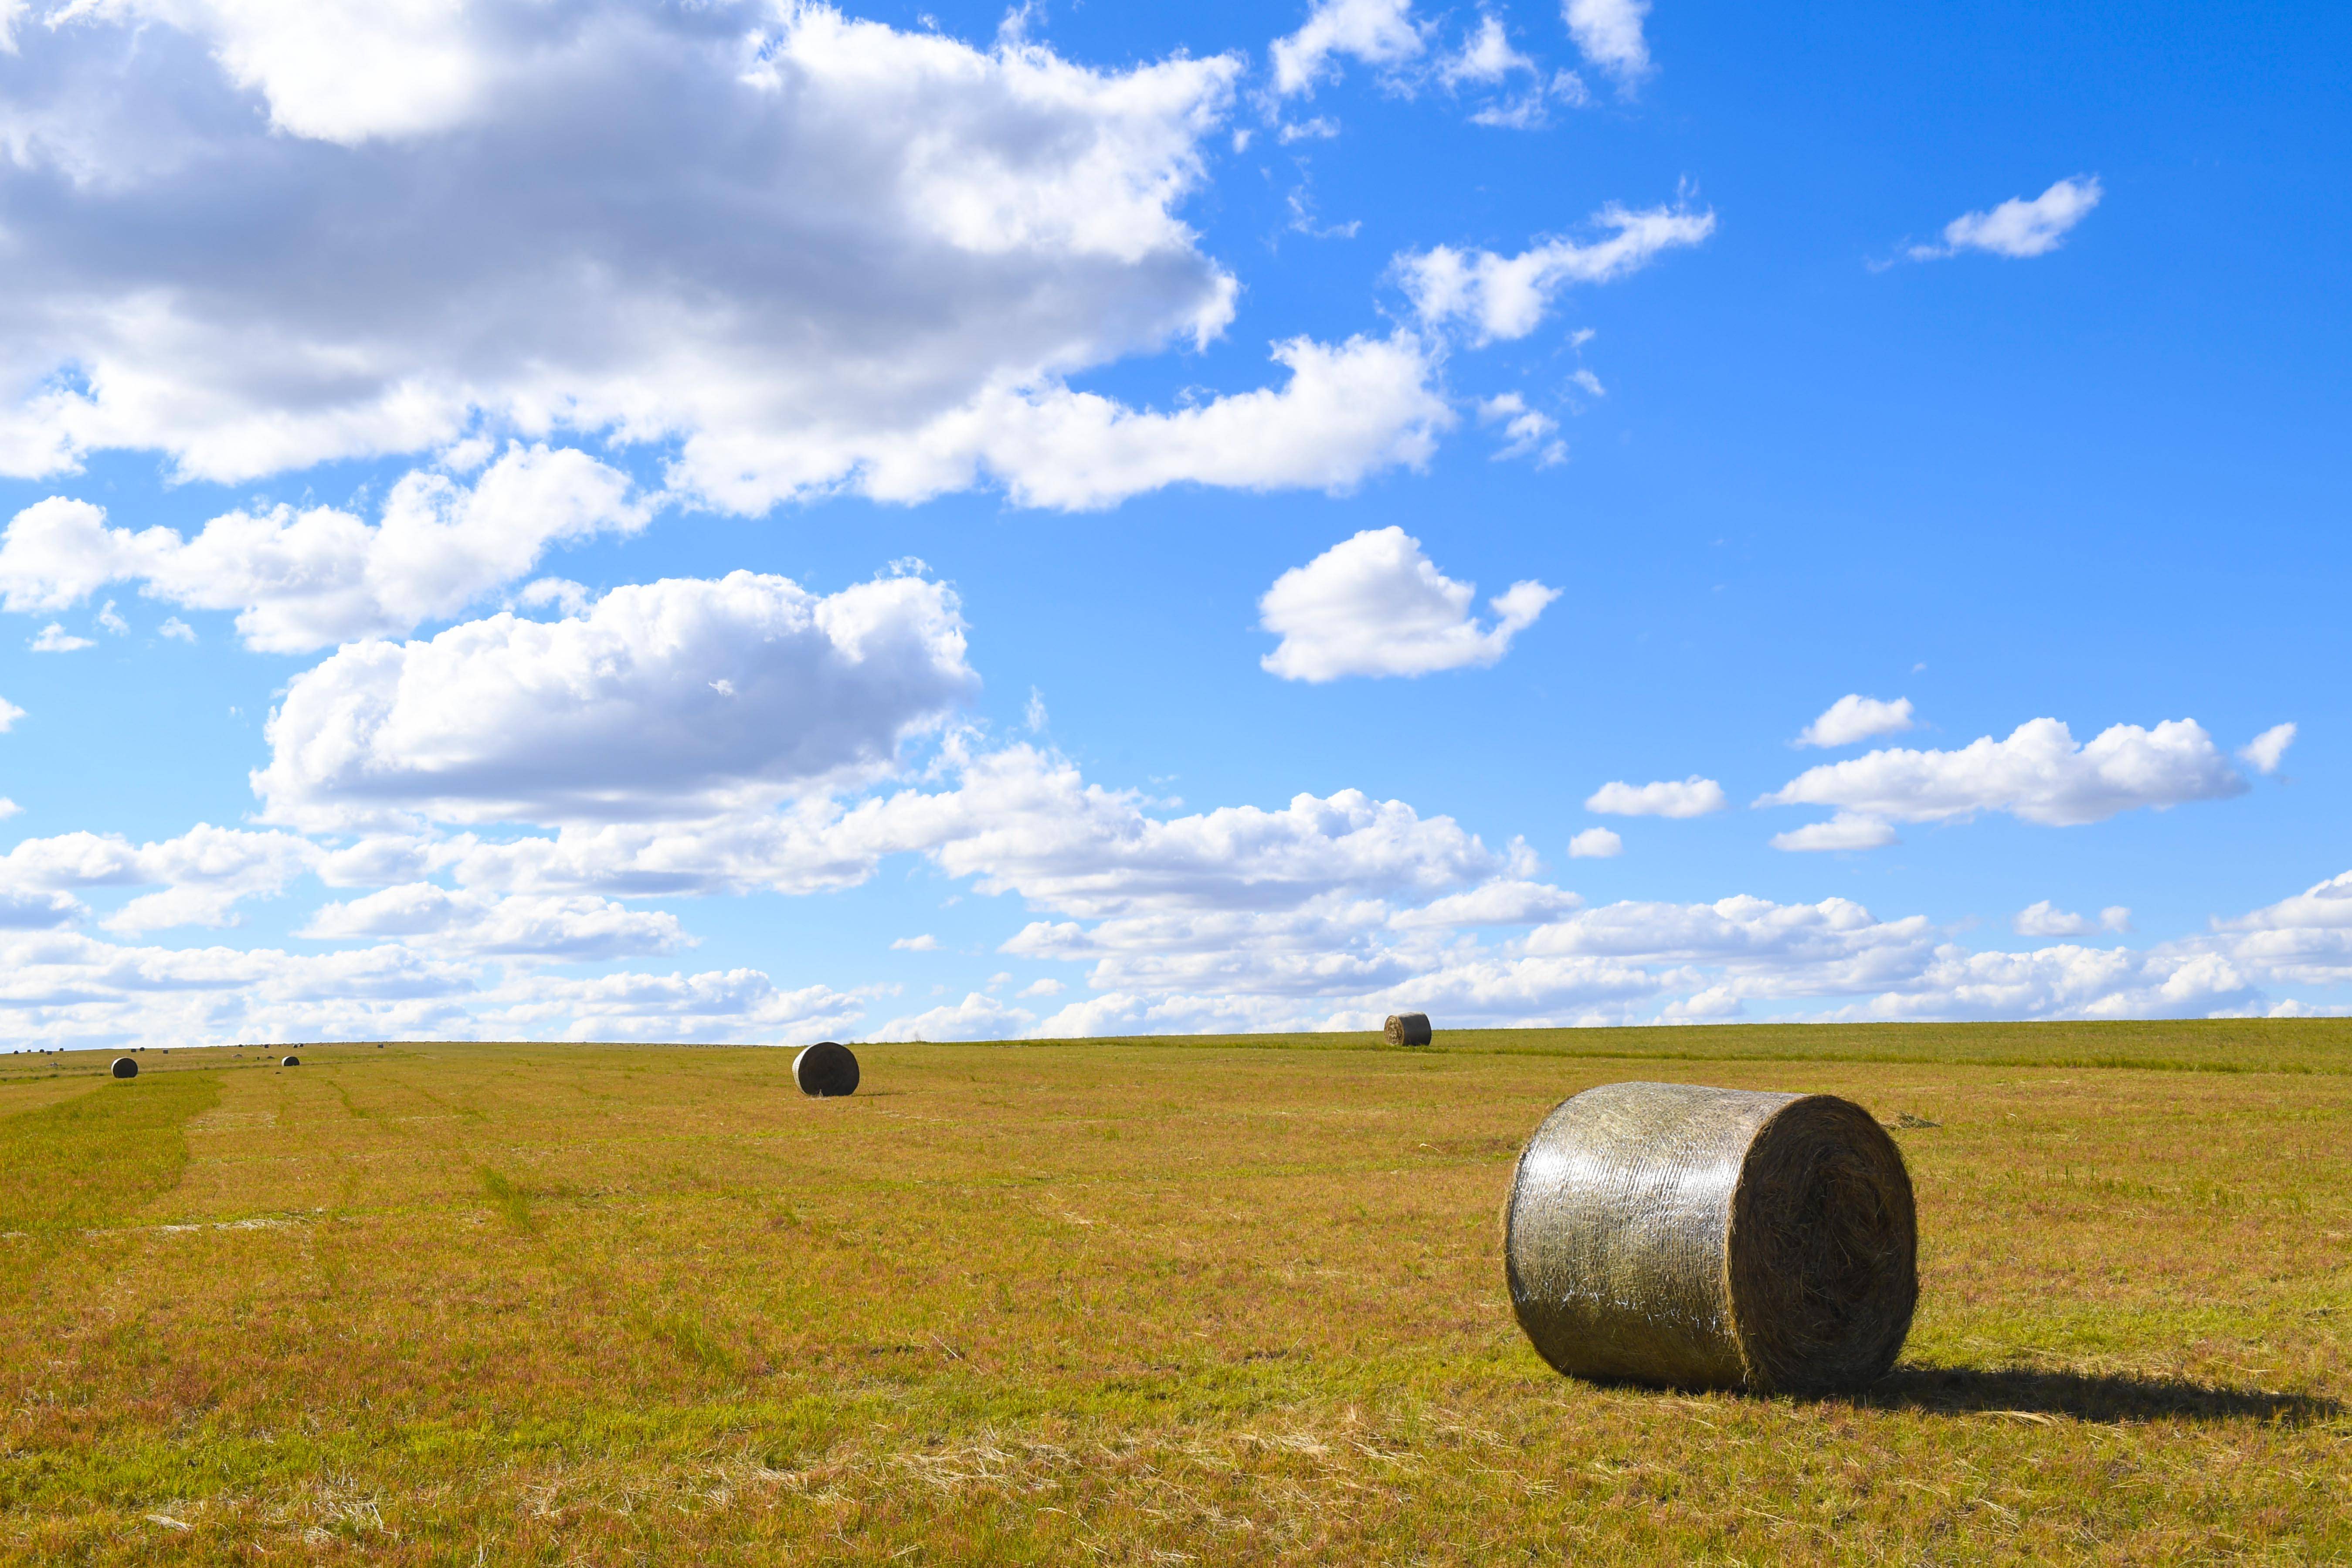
<point>1134,1302</point>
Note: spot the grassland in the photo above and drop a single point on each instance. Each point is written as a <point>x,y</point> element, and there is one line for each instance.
<point>1134,1301</point>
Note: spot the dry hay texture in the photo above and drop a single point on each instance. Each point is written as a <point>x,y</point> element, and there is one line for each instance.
<point>1698,1237</point>
<point>1407,1030</point>
<point>125,1068</point>
<point>826,1070</point>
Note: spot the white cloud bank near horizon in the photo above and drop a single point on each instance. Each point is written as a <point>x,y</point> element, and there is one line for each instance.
<point>1327,914</point>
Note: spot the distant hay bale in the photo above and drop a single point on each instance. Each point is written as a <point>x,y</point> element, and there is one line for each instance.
<point>125,1068</point>
<point>289,1061</point>
<point>1407,1030</point>
<point>826,1070</point>
<point>1697,1237</point>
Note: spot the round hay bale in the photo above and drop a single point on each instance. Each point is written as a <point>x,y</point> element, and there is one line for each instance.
<point>289,1061</point>
<point>826,1070</point>
<point>125,1068</point>
<point>1695,1237</point>
<point>1406,1029</point>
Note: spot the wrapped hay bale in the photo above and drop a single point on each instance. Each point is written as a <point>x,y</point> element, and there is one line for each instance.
<point>1407,1030</point>
<point>826,1070</point>
<point>125,1068</point>
<point>1697,1237</point>
<point>289,1061</point>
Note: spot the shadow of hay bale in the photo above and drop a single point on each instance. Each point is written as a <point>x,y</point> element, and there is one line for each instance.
<point>2031,1391</point>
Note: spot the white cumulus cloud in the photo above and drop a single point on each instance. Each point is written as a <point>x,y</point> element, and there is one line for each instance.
<point>9,714</point>
<point>1376,32</point>
<point>1505,297</point>
<point>2040,773</point>
<point>1486,56</point>
<point>1609,32</point>
<point>1692,796</point>
<point>799,252</point>
<point>310,578</point>
<point>614,714</point>
<point>574,930</point>
<point>1375,604</point>
<point>1846,830</point>
<point>1857,717</point>
<point>1528,431</point>
<point>2266,750</point>
<point>202,873</point>
<point>2019,227</point>
<point>2045,919</point>
<point>1596,844</point>
<point>55,638</point>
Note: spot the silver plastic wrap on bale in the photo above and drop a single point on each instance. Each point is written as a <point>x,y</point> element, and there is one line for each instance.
<point>1406,1029</point>
<point>1698,1237</point>
<point>826,1070</point>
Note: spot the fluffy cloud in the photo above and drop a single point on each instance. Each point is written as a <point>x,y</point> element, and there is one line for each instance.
<point>668,699</point>
<point>1018,820</point>
<point>1375,604</point>
<point>1503,297</point>
<point>1347,411</point>
<point>2045,919</point>
<point>2039,774</point>
<point>55,638</point>
<point>1846,830</point>
<point>2019,227</point>
<point>2265,751</point>
<point>1609,32</point>
<point>2306,940</point>
<point>203,872</point>
<point>1595,844</point>
<point>22,910</point>
<point>575,929</point>
<point>976,1017</point>
<point>1528,430</point>
<point>740,1005</point>
<point>311,579</point>
<point>1503,901</point>
<point>1486,56</point>
<point>1692,796</point>
<point>804,253</point>
<point>9,714</point>
<point>1857,717</point>
<point>1377,32</point>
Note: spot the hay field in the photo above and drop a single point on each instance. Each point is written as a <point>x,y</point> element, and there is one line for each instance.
<point>1134,1301</point>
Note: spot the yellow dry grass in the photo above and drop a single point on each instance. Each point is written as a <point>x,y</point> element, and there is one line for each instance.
<point>1131,1302</point>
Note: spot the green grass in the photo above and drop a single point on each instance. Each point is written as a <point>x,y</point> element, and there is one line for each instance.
<point>1134,1301</point>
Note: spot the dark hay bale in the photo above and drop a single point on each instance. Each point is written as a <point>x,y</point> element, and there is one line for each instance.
<point>289,1061</point>
<point>125,1068</point>
<point>1697,1237</point>
<point>825,1069</point>
<point>1406,1029</point>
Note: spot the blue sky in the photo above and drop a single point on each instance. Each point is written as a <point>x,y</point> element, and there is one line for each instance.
<point>1112,413</point>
